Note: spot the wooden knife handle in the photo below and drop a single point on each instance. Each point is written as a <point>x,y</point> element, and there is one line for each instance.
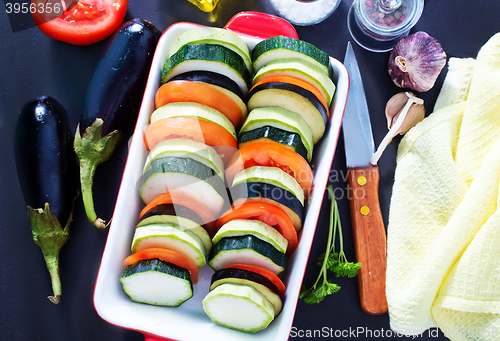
<point>369,235</point>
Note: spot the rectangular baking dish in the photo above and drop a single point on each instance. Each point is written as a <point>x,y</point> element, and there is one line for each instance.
<point>189,321</point>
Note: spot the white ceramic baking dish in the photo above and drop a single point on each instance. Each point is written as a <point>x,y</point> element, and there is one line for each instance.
<point>189,321</point>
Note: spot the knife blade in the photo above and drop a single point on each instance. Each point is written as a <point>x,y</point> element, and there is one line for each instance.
<point>362,180</point>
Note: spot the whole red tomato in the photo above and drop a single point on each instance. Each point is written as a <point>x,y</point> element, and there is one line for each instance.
<point>85,23</point>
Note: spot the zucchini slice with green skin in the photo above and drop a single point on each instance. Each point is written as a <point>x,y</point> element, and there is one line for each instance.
<point>257,281</point>
<point>292,98</point>
<point>281,47</point>
<point>289,139</point>
<point>216,36</point>
<point>274,195</point>
<point>239,307</point>
<point>281,119</point>
<point>192,109</point>
<point>247,250</point>
<point>183,176</point>
<point>172,237</point>
<point>301,69</point>
<point>156,282</point>
<point>269,185</point>
<point>208,57</point>
<point>256,228</point>
<point>213,78</point>
<point>273,176</point>
<point>183,148</point>
<point>185,223</point>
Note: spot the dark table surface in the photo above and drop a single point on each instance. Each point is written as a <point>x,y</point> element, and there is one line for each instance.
<point>32,65</point>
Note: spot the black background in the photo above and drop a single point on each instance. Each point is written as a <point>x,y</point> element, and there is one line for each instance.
<point>32,65</point>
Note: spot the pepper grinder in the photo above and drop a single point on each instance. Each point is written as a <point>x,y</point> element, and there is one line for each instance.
<point>377,25</point>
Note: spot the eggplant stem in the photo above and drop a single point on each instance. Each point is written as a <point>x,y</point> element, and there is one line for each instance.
<point>392,132</point>
<point>52,261</point>
<point>93,149</point>
<point>87,171</point>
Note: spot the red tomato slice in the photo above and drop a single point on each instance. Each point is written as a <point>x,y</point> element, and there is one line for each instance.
<point>178,199</point>
<point>267,213</point>
<point>271,154</point>
<point>202,93</point>
<point>166,255</point>
<point>195,129</point>
<point>263,272</point>
<point>88,22</point>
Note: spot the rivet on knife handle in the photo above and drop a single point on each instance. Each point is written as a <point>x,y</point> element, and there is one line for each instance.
<point>369,238</point>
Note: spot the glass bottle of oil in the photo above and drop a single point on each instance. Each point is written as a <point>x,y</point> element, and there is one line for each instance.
<point>205,5</point>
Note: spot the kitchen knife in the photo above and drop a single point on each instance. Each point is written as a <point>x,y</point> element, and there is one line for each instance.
<point>362,179</point>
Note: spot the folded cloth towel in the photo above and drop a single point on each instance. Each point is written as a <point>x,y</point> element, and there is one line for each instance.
<point>443,254</point>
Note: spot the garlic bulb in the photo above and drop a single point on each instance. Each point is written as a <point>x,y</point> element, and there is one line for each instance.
<point>403,111</point>
<point>416,61</point>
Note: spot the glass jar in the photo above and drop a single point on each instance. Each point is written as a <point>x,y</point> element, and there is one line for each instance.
<point>377,25</point>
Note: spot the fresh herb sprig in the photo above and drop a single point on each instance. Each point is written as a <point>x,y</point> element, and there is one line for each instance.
<point>335,262</point>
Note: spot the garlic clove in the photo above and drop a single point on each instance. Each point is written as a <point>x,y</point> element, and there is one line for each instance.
<point>395,106</point>
<point>403,111</point>
<point>416,62</point>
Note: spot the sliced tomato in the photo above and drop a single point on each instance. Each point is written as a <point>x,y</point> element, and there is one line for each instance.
<point>267,213</point>
<point>88,22</point>
<point>263,272</point>
<point>166,255</point>
<point>271,154</point>
<point>202,93</point>
<point>179,199</point>
<point>298,82</point>
<point>195,129</point>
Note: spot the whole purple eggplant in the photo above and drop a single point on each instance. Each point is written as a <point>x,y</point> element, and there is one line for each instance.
<point>46,167</point>
<point>113,101</point>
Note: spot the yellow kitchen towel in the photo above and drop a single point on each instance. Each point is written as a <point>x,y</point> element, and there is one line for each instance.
<point>443,255</point>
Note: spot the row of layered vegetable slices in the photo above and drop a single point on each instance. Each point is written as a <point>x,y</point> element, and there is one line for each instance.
<point>228,173</point>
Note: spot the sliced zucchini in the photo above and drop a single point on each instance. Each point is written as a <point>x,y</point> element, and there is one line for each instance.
<point>213,78</point>
<point>247,250</point>
<point>292,98</point>
<point>156,282</point>
<point>191,109</point>
<point>185,223</point>
<point>258,282</point>
<point>270,133</point>
<point>270,175</point>
<point>239,307</point>
<point>208,57</point>
<point>281,47</point>
<point>271,194</point>
<point>283,119</point>
<point>182,147</point>
<point>172,237</point>
<point>217,36</point>
<point>183,176</point>
<point>302,69</point>
<point>256,228</point>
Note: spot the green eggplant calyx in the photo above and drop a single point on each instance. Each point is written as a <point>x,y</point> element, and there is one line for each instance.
<point>50,236</point>
<point>93,149</point>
